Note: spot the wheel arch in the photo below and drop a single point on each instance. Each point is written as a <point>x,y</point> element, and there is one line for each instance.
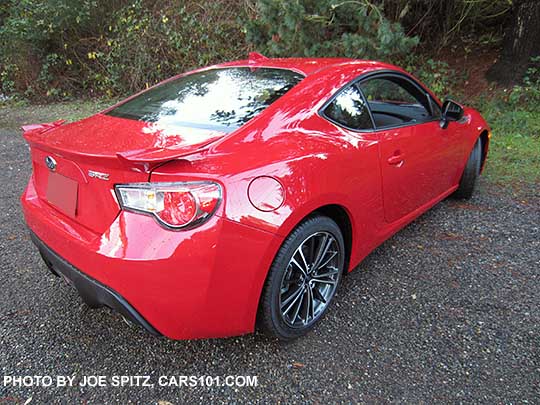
<point>340,216</point>
<point>336,212</point>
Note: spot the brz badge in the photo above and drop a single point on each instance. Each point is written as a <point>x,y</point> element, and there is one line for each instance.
<point>51,163</point>
<point>98,175</point>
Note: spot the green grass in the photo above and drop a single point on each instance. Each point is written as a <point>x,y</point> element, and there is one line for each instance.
<point>12,116</point>
<point>514,155</point>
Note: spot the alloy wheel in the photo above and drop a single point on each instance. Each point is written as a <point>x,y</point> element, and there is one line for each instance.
<point>310,280</point>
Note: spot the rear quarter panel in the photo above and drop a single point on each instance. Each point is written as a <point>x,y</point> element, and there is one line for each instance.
<point>319,164</point>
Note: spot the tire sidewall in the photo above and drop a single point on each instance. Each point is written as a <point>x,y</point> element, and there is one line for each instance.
<point>470,173</point>
<point>476,157</point>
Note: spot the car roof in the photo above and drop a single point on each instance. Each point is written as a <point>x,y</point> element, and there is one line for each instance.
<point>336,69</point>
<point>309,66</point>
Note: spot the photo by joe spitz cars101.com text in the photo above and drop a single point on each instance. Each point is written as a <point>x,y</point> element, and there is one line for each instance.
<point>237,196</point>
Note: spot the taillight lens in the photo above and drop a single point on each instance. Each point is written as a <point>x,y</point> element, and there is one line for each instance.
<point>175,205</point>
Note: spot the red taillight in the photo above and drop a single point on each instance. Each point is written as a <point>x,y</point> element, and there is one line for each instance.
<point>175,205</point>
<point>179,208</point>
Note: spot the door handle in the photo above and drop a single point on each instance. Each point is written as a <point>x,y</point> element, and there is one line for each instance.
<point>396,160</point>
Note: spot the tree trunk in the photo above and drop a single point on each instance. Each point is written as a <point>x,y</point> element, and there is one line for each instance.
<point>521,42</point>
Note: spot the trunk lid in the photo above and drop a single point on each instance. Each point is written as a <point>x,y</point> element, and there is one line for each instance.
<point>77,165</point>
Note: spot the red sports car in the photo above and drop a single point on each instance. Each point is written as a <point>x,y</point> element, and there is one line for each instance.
<point>240,194</point>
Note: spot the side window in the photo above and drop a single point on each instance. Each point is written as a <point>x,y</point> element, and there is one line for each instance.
<point>395,101</point>
<point>349,110</point>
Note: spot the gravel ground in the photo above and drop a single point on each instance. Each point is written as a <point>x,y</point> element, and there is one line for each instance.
<point>447,310</point>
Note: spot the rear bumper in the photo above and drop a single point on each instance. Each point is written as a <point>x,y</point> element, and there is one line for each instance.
<point>93,293</point>
<point>199,283</point>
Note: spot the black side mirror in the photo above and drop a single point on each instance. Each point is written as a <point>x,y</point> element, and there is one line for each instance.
<point>451,111</point>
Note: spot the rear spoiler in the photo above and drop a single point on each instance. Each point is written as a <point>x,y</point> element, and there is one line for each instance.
<point>144,159</point>
<point>40,128</point>
<point>160,155</point>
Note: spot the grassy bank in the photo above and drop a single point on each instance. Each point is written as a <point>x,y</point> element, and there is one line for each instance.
<point>12,116</point>
<point>514,154</point>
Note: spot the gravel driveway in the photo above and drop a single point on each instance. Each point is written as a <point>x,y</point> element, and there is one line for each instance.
<point>447,310</point>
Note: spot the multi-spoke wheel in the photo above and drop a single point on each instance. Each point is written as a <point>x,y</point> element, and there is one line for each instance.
<point>303,278</point>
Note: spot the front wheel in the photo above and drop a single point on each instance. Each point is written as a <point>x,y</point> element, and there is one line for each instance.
<point>303,279</point>
<point>470,173</point>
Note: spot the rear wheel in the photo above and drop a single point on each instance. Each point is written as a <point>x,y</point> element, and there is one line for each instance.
<point>303,279</point>
<point>470,173</point>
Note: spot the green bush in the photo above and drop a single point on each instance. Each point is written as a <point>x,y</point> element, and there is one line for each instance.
<point>147,44</point>
<point>38,39</point>
<point>529,91</point>
<point>355,29</point>
<point>57,49</point>
<point>435,74</point>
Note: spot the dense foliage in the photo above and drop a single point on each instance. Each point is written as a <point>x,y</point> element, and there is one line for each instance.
<point>61,48</point>
<point>356,29</point>
<point>57,49</point>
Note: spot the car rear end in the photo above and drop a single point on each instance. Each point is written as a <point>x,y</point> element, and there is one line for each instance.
<point>153,247</point>
<point>187,283</point>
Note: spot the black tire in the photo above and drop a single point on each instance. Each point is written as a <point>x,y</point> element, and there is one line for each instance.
<point>293,300</point>
<point>471,172</point>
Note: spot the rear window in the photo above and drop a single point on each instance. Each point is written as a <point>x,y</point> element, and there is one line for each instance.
<point>216,99</point>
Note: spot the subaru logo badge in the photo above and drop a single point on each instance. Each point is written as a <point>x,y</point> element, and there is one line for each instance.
<point>51,163</point>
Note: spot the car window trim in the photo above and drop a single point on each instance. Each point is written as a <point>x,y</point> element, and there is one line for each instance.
<point>379,75</point>
<point>323,114</point>
<point>411,79</point>
<point>370,75</point>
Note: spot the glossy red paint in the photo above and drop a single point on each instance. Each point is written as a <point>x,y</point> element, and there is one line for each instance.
<point>206,281</point>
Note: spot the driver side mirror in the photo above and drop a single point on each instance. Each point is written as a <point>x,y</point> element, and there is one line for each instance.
<point>451,111</point>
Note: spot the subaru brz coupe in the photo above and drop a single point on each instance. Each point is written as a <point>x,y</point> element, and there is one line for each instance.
<point>238,195</point>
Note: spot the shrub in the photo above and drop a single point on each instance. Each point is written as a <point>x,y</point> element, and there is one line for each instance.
<point>529,91</point>
<point>356,29</point>
<point>147,44</point>
<point>60,48</point>
<point>435,74</point>
<point>39,39</point>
